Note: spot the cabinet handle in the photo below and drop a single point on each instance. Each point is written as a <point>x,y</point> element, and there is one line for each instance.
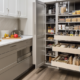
<point>7,10</point>
<point>20,13</point>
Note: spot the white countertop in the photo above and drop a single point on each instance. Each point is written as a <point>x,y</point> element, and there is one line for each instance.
<point>10,41</point>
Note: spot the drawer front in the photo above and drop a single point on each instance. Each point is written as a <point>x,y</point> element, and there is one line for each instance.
<point>21,44</point>
<point>4,49</point>
<point>29,42</point>
<point>6,61</point>
<point>13,47</point>
<point>7,54</point>
<point>14,72</point>
<point>66,66</point>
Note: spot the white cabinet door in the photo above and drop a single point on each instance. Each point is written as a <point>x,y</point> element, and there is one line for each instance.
<point>2,7</point>
<point>22,8</point>
<point>11,7</point>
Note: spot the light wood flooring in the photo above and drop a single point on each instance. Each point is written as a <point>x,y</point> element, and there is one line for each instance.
<point>52,74</point>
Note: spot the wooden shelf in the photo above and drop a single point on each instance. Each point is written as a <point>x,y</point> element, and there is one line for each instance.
<point>50,23</point>
<point>65,65</point>
<point>49,34</point>
<point>49,47</point>
<point>50,14</point>
<point>68,22</point>
<point>50,55</point>
<point>50,40</point>
<point>67,38</point>
<point>66,50</point>
<point>69,15</point>
<point>47,63</point>
<point>69,30</point>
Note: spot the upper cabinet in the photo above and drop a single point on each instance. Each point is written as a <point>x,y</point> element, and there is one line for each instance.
<point>22,8</point>
<point>14,8</point>
<point>2,5</point>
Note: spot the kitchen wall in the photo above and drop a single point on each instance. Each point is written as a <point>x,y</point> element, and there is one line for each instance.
<point>8,24</point>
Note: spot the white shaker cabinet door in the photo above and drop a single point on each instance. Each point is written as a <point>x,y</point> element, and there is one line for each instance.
<point>2,7</point>
<point>22,8</point>
<point>12,7</point>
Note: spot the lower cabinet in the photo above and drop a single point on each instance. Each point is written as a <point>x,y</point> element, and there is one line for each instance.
<point>17,70</point>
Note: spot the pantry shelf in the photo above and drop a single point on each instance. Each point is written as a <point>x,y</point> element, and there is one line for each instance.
<point>50,55</point>
<point>69,15</point>
<point>49,47</point>
<point>50,40</point>
<point>47,63</point>
<point>67,38</point>
<point>49,34</point>
<point>50,23</point>
<point>69,22</point>
<point>66,50</point>
<point>69,30</point>
<point>65,65</point>
<point>50,14</point>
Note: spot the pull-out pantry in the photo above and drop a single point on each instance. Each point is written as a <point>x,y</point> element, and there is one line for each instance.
<point>57,34</point>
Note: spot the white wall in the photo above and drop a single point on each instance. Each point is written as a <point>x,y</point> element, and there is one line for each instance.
<point>27,24</point>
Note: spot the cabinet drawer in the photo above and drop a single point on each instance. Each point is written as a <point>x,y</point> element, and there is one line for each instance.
<point>21,44</point>
<point>65,66</point>
<point>4,49</point>
<point>14,72</point>
<point>29,42</point>
<point>7,54</point>
<point>13,47</point>
<point>6,61</point>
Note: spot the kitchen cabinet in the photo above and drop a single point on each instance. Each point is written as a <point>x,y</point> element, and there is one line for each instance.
<point>22,8</point>
<point>15,57</point>
<point>14,8</point>
<point>2,7</point>
<point>41,55</point>
<point>11,7</point>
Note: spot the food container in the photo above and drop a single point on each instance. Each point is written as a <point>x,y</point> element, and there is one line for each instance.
<point>78,19</point>
<point>67,28</point>
<point>63,27</point>
<point>68,19</point>
<point>61,20</point>
<point>63,10</point>
<point>71,28</point>
<point>70,60</point>
<point>60,27</point>
<point>50,58</point>
<point>76,27</point>
<point>74,19</point>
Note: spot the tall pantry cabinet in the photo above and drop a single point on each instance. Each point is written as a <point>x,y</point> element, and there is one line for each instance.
<point>40,40</point>
<point>60,48</point>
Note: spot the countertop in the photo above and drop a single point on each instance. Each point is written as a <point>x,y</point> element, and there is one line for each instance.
<point>10,41</point>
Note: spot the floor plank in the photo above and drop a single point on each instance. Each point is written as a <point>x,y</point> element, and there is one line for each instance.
<point>52,74</point>
<point>37,75</point>
<point>56,76</point>
<point>44,74</point>
<point>31,74</point>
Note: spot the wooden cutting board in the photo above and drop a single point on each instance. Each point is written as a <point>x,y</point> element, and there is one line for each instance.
<point>12,38</point>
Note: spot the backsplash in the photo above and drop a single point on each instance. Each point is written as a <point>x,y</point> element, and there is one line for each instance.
<point>8,24</point>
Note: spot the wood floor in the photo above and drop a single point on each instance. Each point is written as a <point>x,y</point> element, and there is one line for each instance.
<point>52,74</point>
